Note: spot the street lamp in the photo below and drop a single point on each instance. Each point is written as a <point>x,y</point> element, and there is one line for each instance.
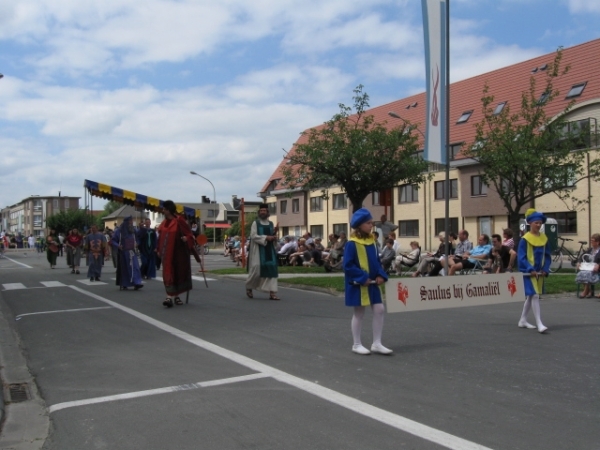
<point>411,126</point>
<point>214,211</point>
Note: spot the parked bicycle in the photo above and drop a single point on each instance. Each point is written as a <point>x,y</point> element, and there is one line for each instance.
<point>559,254</point>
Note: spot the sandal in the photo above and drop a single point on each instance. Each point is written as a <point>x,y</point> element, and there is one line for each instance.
<point>249,293</point>
<point>178,301</point>
<point>273,296</point>
<point>168,302</point>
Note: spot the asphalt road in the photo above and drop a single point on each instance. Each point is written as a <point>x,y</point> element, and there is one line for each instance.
<point>116,370</point>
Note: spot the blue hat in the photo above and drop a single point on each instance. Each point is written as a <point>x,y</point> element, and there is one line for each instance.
<point>532,216</point>
<point>360,217</point>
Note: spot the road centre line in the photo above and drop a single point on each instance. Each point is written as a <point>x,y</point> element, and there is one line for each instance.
<point>17,262</point>
<point>165,390</point>
<point>62,311</point>
<point>396,421</point>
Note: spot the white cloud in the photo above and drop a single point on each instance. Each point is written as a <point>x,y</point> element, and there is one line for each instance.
<point>583,6</point>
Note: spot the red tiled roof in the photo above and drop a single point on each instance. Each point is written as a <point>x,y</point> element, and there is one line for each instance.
<point>506,84</point>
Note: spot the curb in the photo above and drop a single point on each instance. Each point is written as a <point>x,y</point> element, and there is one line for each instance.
<point>24,425</point>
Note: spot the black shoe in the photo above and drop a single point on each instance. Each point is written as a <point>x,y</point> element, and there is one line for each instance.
<point>138,286</point>
<point>97,279</point>
<point>77,272</point>
<point>91,279</point>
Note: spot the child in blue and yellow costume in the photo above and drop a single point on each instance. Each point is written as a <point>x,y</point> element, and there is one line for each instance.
<point>534,258</point>
<point>361,268</point>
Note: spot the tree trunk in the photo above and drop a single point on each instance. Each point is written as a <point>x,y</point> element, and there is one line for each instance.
<point>513,224</point>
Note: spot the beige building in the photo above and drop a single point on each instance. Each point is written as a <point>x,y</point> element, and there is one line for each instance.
<point>419,211</point>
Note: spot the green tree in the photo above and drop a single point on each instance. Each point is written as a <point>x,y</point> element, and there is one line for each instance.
<point>353,151</point>
<point>71,218</point>
<point>525,154</point>
<point>111,207</point>
<point>236,227</point>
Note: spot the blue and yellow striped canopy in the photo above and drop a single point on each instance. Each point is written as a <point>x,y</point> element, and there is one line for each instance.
<point>130,198</point>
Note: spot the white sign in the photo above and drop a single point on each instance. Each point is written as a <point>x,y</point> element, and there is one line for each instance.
<point>422,293</point>
<point>434,27</point>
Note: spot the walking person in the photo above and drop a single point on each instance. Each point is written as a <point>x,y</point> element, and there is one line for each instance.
<point>95,247</point>
<point>74,244</point>
<point>262,257</point>
<point>363,276</point>
<point>534,258</point>
<point>175,244</point>
<point>147,240</point>
<point>128,267</point>
<point>52,248</point>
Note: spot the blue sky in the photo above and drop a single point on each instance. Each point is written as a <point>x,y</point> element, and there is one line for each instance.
<point>137,94</point>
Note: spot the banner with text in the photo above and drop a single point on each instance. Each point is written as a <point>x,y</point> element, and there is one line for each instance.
<point>422,293</point>
<point>434,28</point>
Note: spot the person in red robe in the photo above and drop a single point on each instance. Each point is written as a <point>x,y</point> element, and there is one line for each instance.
<point>175,244</point>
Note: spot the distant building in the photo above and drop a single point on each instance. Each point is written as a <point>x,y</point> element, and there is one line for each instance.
<point>29,215</point>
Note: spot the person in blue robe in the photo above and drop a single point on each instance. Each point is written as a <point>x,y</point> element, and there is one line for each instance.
<point>363,277</point>
<point>147,247</point>
<point>128,268</point>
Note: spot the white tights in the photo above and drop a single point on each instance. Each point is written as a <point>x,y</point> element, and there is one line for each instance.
<point>532,302</point>
<point>357,320</point>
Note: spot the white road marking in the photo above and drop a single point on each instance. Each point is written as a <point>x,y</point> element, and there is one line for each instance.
<point>90,283</point>
<point>359,407</point>
<point>17,262</point>
<point>52,283</point>
<point>13,286</point>
<point>193,278</point>
<point>62,311</point>
<point>165,390</point>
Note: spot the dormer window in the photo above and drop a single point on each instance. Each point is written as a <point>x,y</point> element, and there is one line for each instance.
<point>576,90</point>
<point>464,117</point>
<point>499,108</point>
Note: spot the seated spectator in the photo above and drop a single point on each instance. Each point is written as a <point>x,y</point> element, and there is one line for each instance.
<point>463,245</point>
<point>308,238</point>
<point>501,258</point>
<point>337,250</point>
<point>508,241</point>
<point>589,277</point>
<point>431,257</point>
<point>319,245</point>
<point>470,259</point>
<point>288,247</point>
<point>409,259</point>
<point>316,259</point>
<point>388,255</point>
<point>299,256</point>
<point>392,236</point>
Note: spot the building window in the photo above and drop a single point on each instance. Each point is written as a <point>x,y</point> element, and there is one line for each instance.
<point>567,221</point>
<point>543,98</point>
<point>340,201</point>
<point>580,132</point>
<point>316,203</point>
<point>66,203</point>
<point>295,205</point>
<point>499,108</point>
<point>55,203</point>
<point>283,206</point>
<point>316,231</point>
<point>37,221</point>
<point>408,193</point>
<point>340,228</point>
<point>285,231</point>
<point>454,150</point>
<point>272,207</point>
<point>375,198</point>
<point>576,90</point>
<point>464,117</point>
<point>440,188</point>
<point>567,180</point>
<point>408,228</point>
<point>478,187</point>
<point>440,225</point>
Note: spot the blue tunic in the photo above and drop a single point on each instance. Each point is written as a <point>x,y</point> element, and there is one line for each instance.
<point>361,262</point>
<point>534,255</point>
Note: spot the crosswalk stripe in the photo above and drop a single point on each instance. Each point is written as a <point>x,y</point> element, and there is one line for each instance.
<point>13,286</point>
<point>52,283</point>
